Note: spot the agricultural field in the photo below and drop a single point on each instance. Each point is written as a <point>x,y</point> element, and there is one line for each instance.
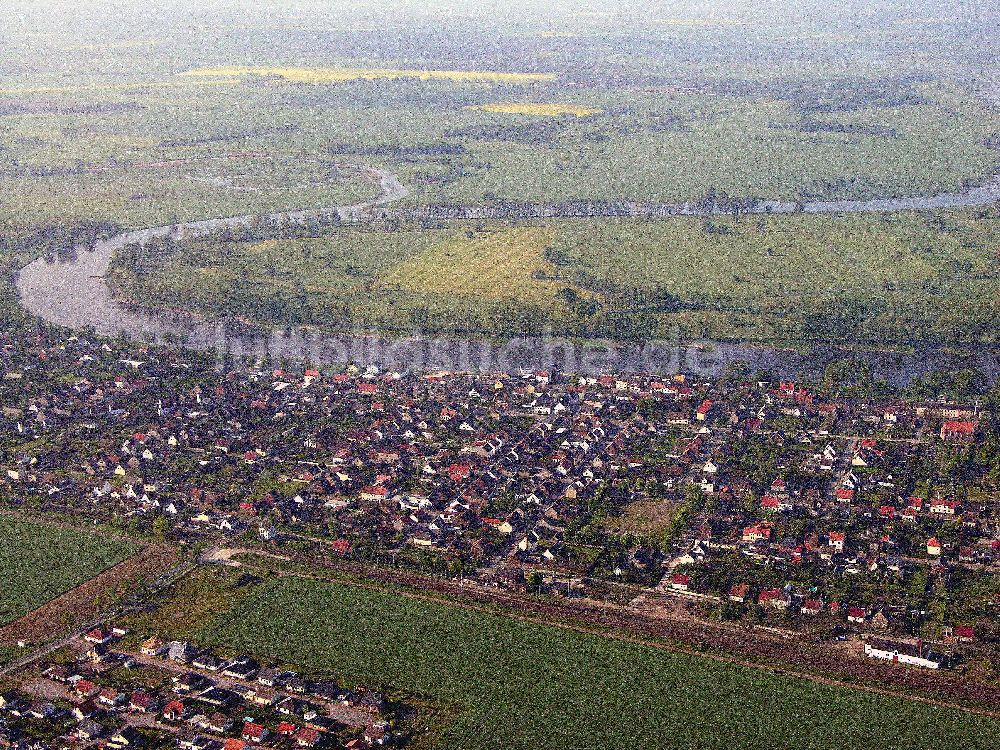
<point>520,685</point>
<point>537,108</point>
<point>787,278</point>
<point>507,263</point>
<point>340,75</point>
<point>491,281</point>
<point>148,121</point>
<point>39,561</point>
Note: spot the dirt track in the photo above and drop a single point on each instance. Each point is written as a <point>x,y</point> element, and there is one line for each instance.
<point>86,601</point>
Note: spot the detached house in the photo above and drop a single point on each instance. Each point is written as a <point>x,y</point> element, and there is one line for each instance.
<point>944,507</point>
<point>958,433</point>
<point>738,593</point>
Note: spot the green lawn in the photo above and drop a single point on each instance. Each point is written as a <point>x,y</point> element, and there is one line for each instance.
<point>39,561</point>
<point>527,686</point>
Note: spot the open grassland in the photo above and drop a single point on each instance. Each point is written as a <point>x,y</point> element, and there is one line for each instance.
<point>644,517</point>
<point>189,605</point>
<point>504,263</point>
<point>157,193</point>
<point>39,561</point>
<point>491,281</point>
<point>340,75</point>
<point>894,277</point>
<point>521,685</point>
<point>111,87</point>
<point>75,148</point>
<point>891,277</point>
<point>537,109</point>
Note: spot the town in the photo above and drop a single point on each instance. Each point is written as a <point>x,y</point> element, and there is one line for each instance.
<point>99,693</point>
<point>734,498</point>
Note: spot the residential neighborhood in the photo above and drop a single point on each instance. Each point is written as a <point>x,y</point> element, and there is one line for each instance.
<point>740,498</point>
<point>101,693</point>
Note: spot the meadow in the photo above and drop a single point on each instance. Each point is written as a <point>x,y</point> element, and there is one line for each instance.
<point>521,685</point>
<point>181,122</point>
<point>541,109</point>
<point>894,278</point>
<point>39,561</point>
<point>340,75</point>
<point>491,281</point>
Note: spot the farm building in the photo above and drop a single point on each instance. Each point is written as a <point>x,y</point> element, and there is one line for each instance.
<point>916,654</point>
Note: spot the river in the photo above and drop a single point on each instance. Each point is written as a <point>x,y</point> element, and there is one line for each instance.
<point>72,293</point>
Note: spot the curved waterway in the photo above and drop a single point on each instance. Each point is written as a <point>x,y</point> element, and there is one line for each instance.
<point>72,293</point>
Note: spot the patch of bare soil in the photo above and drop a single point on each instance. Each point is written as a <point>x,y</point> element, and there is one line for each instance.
<point>85,602</point>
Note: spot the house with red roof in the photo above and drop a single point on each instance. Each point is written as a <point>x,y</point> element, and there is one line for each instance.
<point>837,539</point>
<point>965,633</point>
<point>812,607</point>
<point>374,494</point>
<point>857,615</point>
<point>99,636</point>
<point>253,732</point>
<point>756,533</point>
<point>958,432</point>
<point>775,504</point>
<point>703,410</point>
<point>340,546</point>
<point>458,472</point>
<point>775,598</point>
<point>738,592</point>
<point>142,702</point>
<point>934,546</point>
<point>944,507</point>
<point>86,688</point>
<point>174,711</point>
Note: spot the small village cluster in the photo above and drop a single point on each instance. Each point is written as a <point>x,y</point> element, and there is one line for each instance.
<point>762,499</point>
<point>100,693</point>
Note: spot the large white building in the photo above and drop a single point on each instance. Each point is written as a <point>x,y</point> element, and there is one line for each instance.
<point>915,654</point>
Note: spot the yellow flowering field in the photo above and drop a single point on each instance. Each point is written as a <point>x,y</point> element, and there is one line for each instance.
<point>339,75</point>
<point>538,109</point>
<point>500,263</point>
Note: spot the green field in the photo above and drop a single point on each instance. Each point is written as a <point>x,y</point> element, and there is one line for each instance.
<point>491,281</point>
<point>124,155</point>
<point>39,561</point>
<point>520,685</point>
<point>157,118</point>
<point>142,126</point>
<point>887,278</point>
